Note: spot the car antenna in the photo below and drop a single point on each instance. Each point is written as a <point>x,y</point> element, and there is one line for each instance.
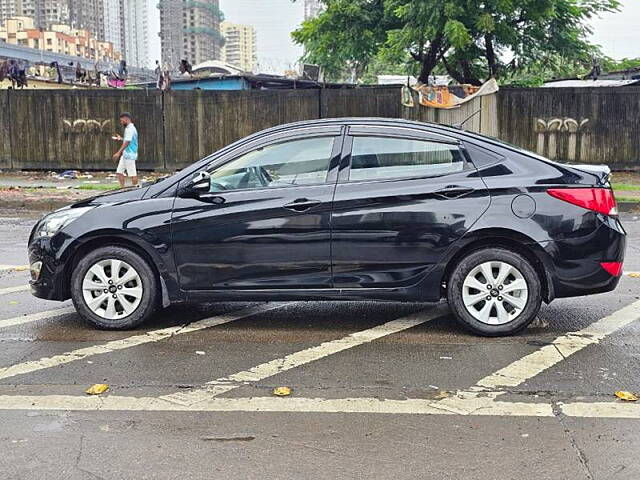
<point>461,124</point>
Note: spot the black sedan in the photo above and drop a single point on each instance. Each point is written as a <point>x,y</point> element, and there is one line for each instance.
<point>341,209</point>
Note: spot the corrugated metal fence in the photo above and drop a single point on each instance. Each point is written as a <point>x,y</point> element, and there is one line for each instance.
<point>72,128</point>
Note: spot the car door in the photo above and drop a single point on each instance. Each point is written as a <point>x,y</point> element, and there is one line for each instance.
<point>403,198</point>
<point>265,222</point>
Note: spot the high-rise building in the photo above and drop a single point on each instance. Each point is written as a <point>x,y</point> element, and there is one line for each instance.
<point>113,23</point>
<point>312,8</point>
<point>136,33</point>
<point>239,48</point>
<point>190,30</point>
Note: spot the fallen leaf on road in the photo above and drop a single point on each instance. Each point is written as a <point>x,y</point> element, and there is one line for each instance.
<point>440,395</point>
<point>97,389</point>
<point>634,275</point>
<point>626,396</point>
<point>282,391</point>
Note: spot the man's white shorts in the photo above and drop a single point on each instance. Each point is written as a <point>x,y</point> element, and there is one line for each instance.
<point>128,166</point>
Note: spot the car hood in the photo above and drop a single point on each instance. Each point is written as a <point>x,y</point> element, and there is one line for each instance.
<point>119,196</point>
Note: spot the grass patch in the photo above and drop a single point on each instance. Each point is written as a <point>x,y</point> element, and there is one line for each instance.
<point>626,187</point>
<point>98,186</point>
<point>622,198</point>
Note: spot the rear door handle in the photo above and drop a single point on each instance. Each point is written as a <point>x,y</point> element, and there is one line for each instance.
<point>454,191</point>
<point>302,204</point>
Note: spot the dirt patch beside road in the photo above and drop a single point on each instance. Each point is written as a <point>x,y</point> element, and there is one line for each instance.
<point>41,199</point>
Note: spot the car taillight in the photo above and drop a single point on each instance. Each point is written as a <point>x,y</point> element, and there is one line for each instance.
<point>613,268</point>
<point>599,200</point>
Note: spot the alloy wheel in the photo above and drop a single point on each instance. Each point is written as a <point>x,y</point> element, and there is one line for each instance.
<point>495,293</point>
<point>112,289</point>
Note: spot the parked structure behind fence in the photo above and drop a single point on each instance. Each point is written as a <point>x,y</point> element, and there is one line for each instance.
<point>72,128</point>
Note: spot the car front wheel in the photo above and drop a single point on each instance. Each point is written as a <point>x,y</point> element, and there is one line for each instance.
<point>494,292</point>
<point>114,288</point>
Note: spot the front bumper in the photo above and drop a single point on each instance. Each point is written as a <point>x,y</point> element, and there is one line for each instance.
<point>51,283</point>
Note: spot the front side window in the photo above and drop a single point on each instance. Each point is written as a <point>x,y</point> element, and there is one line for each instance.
<point>297,162</point>
<point>381,158</point>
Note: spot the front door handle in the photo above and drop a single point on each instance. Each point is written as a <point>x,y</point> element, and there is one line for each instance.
<point>302,204</point>
<point>454,191</point>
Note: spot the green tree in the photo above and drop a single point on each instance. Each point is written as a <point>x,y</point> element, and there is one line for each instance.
<point>471,40</point>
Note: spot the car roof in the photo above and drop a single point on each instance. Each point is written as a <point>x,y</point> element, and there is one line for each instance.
<point>445,130</point>
<point>376,121</point>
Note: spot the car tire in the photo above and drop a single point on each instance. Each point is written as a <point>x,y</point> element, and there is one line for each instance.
<point>511,303</point>
<point>110,300</point>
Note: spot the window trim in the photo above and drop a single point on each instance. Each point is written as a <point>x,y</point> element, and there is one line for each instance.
<point>344,175</point>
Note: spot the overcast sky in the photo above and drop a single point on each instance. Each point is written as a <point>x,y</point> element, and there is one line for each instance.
<point>275,19</point>
<point>618,32</point>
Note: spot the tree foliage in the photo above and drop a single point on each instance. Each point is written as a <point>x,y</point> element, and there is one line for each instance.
<point>471,40</point>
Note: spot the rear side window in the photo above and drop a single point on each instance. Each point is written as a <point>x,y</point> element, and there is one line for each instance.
<point>381,158</point>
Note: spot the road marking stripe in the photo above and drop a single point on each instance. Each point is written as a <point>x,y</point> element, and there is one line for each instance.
<point>302,357</point>
<point>133,341</point>
<point>19,288</point>
<point>15,268</point>
<point>34,317</point>
<point>563,346</point>
<point>473,406</point>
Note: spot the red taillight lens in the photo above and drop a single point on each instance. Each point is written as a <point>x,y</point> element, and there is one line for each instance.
<point>599,200</point>
<point>614,268</point>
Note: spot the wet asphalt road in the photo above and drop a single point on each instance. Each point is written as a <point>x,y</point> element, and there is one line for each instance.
<point>398,401</point>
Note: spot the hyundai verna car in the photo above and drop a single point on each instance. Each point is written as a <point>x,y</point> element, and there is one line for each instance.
<point>341,209</point>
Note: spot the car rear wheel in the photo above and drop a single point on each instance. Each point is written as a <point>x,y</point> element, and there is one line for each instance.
<point>494,291</point>
<point>114,288</point>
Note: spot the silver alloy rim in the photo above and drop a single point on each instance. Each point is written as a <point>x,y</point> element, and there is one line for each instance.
<point>495,293</point>
<point>112,289</point>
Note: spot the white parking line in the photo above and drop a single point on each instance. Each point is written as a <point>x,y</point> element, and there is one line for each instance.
<point>133,341</point>
<point>302,357</point>
<point>34,317</point>
<point>559,349</point>
<point>472,406</point>
<point>19,288</point>
<point>14,268</point>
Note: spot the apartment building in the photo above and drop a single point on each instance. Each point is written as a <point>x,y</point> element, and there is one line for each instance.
<point>58,39</point>
<point>240,47</point>
<point>190,30</point>
<point>102,17</point>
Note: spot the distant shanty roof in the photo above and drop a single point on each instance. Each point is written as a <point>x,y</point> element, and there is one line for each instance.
<point>248,82</point>
<point>590,83</point>
<point>216,67</point>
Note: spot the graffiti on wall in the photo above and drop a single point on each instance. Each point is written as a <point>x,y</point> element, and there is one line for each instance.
<point>562,138</point>
<point>86,126</point>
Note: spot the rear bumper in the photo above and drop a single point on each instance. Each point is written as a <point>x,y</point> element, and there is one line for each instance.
<point>575,263</point>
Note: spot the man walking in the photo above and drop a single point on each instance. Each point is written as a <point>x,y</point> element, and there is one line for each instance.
<point>128,152</point>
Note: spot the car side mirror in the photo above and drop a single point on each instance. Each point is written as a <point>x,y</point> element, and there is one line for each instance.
<point>200,183</point>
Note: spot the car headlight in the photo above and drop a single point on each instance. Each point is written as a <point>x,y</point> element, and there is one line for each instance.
<point>52,223</point>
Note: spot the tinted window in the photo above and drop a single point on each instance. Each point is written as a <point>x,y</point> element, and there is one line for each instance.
<point>379,158</point>
<point>298,162</point>
<point>481,156</point>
